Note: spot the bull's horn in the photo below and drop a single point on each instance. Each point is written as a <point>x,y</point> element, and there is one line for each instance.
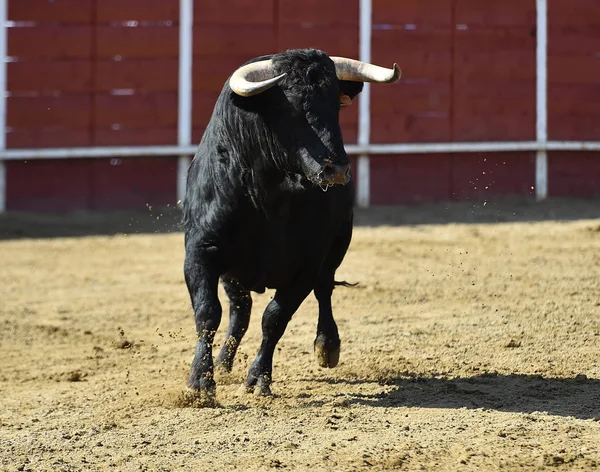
<point>357,71</point>
<point>254,78</point>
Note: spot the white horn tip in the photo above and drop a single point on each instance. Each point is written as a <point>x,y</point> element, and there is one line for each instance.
<point>396,75</point>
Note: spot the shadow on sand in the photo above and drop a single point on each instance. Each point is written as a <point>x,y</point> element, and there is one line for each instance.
<point>167,220</point>
<point>578,397</point>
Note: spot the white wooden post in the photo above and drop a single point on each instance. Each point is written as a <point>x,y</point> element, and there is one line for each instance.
<point>363,186</point>
<point>184,122</point>
<point>541,161</point>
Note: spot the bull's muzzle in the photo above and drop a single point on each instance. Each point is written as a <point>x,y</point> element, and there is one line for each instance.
<point>334,174</point>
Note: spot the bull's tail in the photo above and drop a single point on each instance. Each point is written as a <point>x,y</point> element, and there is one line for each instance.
<point>343,283</point>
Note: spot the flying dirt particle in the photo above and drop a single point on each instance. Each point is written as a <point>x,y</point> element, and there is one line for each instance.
<point>123,344</point>
<point>276,464</point>
<point>75,376</point>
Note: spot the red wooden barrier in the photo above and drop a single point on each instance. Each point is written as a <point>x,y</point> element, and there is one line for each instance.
<point>105,72</point>
<point>50,73</point>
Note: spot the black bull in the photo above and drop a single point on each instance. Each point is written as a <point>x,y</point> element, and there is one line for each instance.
<point>269,204</point>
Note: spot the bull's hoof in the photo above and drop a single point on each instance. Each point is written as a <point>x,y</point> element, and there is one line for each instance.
<point>260,386</point>
<point>263,388</point>
<point>202,390</point>
<point>327,353</point>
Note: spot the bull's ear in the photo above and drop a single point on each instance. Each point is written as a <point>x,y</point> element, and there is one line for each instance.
<point>345,100</point>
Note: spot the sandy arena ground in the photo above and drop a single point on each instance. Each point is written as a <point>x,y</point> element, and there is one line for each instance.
<point>472,345</point>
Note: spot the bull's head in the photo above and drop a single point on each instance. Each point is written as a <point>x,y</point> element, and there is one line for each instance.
<point>303,110</point>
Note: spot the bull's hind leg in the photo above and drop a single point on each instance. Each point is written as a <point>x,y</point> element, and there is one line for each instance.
<point>202,280</point>
<point>327,342</point>
<point>240,305</point>
<point>275,319</point>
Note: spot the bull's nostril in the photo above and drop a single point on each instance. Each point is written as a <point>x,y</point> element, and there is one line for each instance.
<point>328,170</point>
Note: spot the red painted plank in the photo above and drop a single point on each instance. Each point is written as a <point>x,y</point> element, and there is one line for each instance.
<point>573,111</point>
<point>481,39</point>
<point>47,186</point>
<point>149,42</point>
<point>65,110</point>
<point>580,126</point>
<point>50,42</point>
<point>425,40</point>
<point>248,41</point>
<point>52,137</point>
<point>350,133</point>
<point>573,99</point>
<point>349,123</point>
<point>411,127</point>
<point>579,40</point>
<point>335,41</point>
<point>46,76</point>
<point>234,12</point>
<point>316,12</point>
<point>410,112</point>
<point>494,97</point>
<point>139,10</point>
<point>411,178</point>
<point>574,174</point>
<point>502,66</point>
<point>486,175</point>
<point>141,110</point>
<point>143,75</point>
<point>417,12</point>
<point>574,69</point>
<point>574,12</point>
<point>407,96</point>
<point>124,136</point>
<point>210,73</point>
<point>504,13</point>
<point>505,126</point>
<point>133,183</point>
<point>56,11</point>
<point>91,184</point>
<point>494,71</point>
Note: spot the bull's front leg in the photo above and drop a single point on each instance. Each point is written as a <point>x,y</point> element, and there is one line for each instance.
<point>202,279</point>
<point>327,342</point>
<point>274,322</point>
